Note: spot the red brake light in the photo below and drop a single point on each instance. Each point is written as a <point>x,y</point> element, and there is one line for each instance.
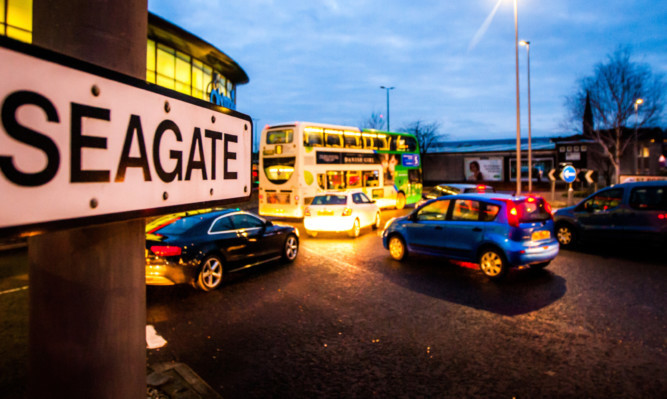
<point>347,212</point>
<point>547,206</point>
<point>306,212</point>
<point>530,199</point>
<point>166,250</point>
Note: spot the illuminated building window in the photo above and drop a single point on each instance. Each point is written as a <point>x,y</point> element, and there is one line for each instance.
<point>16,19</point>
<point>178,71</point>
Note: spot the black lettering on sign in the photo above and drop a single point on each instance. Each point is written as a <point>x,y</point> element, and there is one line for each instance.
<point>30,137</point>
<point>131,162</point>
<point>78,141</point>
<point>192,164</point>
<point>229,155</point>
<point>214,136</point>
<point>165,176</point>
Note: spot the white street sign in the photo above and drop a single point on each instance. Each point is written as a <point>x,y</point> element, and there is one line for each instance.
<point>78,142</point>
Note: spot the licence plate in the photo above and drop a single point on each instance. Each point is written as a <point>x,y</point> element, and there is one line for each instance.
<point>325,212</point>
<point>541,235</point>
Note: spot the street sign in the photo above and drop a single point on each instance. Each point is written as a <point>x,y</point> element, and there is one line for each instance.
<point>551,175</point>
<point>568,174</point>
<point>589,176</point>
<point>80,144</point>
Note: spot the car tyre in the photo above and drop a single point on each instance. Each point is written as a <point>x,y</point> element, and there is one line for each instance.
<point>566,235</point>
<point>397,248</point>
<point>400,201</point>
<point>210,274</point>
<point>355,230</point>
<point>376,223</point>
<point>290,248</point>
<point>493,264</point>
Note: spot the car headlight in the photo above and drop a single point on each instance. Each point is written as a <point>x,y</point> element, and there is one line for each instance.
<point>390,221</point>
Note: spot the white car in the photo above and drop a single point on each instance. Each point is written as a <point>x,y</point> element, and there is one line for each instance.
<point>341,211</point>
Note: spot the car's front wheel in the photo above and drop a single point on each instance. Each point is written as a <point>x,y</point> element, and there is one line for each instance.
<point>210,274</point>
<point>566,235</point>
<point>493,264</point>
<point>397,248</point>
<point>376,222</point>
<point>291,248</point>
<point>355,230</point>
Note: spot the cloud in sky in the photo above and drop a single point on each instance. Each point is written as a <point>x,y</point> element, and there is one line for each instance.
<point>451,62</point>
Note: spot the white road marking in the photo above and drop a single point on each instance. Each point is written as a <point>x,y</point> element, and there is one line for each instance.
<point>25,287</point>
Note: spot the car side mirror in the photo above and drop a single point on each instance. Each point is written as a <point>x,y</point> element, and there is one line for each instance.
<point>268,223</point>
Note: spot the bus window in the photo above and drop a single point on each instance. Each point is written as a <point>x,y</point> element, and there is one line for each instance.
<point>313,137</point>
<point>320,181</point>
<point>371,178</point>
<point>381,143</point>
<point>333,138</point>
<point>410,143</point>
<point>353,179</point>
<point>352,140</point>
<point>393,143</point>
<point>335,180</point>
<point>368,140</point>
<point>279,136</point>
<point>279,170</point>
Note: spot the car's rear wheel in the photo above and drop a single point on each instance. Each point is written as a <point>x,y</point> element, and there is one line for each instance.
<point>493,264</point>
<point>397,248</point>
<point>291,248</point>
<point>210,274</point>
<point>376,223</point>
<point>400,201</point>
<point>566,235</point>
<point>355,230</point>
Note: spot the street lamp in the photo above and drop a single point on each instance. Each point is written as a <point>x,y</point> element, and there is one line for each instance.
<point>530,147</point>
<point>387,88</point>
<point>518,114</point>
<point>638,102</point>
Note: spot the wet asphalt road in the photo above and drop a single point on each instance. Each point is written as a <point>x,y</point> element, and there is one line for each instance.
<point>345,321</point>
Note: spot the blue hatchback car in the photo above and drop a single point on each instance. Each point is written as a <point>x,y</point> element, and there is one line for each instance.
<point>498,231</point>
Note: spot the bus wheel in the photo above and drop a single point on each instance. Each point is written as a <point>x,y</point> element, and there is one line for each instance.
<point>400,201</point>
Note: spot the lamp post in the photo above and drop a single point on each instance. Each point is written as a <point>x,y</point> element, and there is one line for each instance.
<point>530,146</point>
<point>518,114</point>
<point>387,88</point>
<point>638,102</point>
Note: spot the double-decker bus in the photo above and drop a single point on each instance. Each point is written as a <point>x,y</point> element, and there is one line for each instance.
<point>299,160</point>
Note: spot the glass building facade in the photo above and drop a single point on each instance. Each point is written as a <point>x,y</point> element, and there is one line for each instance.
<point>175,59</point>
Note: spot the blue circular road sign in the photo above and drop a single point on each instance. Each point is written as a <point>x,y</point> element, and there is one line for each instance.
<point>569,174</point>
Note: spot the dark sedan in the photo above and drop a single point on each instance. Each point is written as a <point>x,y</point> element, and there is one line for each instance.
<point>200,247</point>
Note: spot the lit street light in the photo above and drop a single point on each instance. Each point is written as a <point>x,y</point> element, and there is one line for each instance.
<point>638,102</point>
<point>518,114</point>
<point>387,88</point>
<point>530,147</point>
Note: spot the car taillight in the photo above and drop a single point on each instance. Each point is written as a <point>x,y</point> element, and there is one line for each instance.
<point>547,206</point>
<point>512,216</point>
<point>347,212</point>
<point>166,250</point>
<point>306,212</point>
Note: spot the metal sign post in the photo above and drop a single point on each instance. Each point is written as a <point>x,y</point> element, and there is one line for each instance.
<point>569,174</point>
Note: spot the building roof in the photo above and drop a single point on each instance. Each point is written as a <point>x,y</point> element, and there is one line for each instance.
<point>171,35</point>
<point>499,145</point>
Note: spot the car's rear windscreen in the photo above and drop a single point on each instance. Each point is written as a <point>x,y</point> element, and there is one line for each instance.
<point>330,200</point>
<point>533,210</point>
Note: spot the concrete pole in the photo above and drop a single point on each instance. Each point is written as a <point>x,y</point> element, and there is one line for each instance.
<point>87,285</point>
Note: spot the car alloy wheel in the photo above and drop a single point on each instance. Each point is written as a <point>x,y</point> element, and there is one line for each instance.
<point>492,264</point>
<point>291,248</point>
<point>210,275</point>
<point>354,232</point>
<point>376,223</point>
<point>397,248</point>
<point>565,235</point>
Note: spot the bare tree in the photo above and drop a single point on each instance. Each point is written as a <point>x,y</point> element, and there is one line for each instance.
<point>375,121</point>
<point>427,134</point>
<point>612,91</point>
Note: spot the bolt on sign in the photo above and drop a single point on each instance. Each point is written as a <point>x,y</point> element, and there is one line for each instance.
<point>80,144</point>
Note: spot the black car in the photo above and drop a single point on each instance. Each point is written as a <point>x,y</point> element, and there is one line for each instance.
<point>625,212</point>
<point>200,247</point>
